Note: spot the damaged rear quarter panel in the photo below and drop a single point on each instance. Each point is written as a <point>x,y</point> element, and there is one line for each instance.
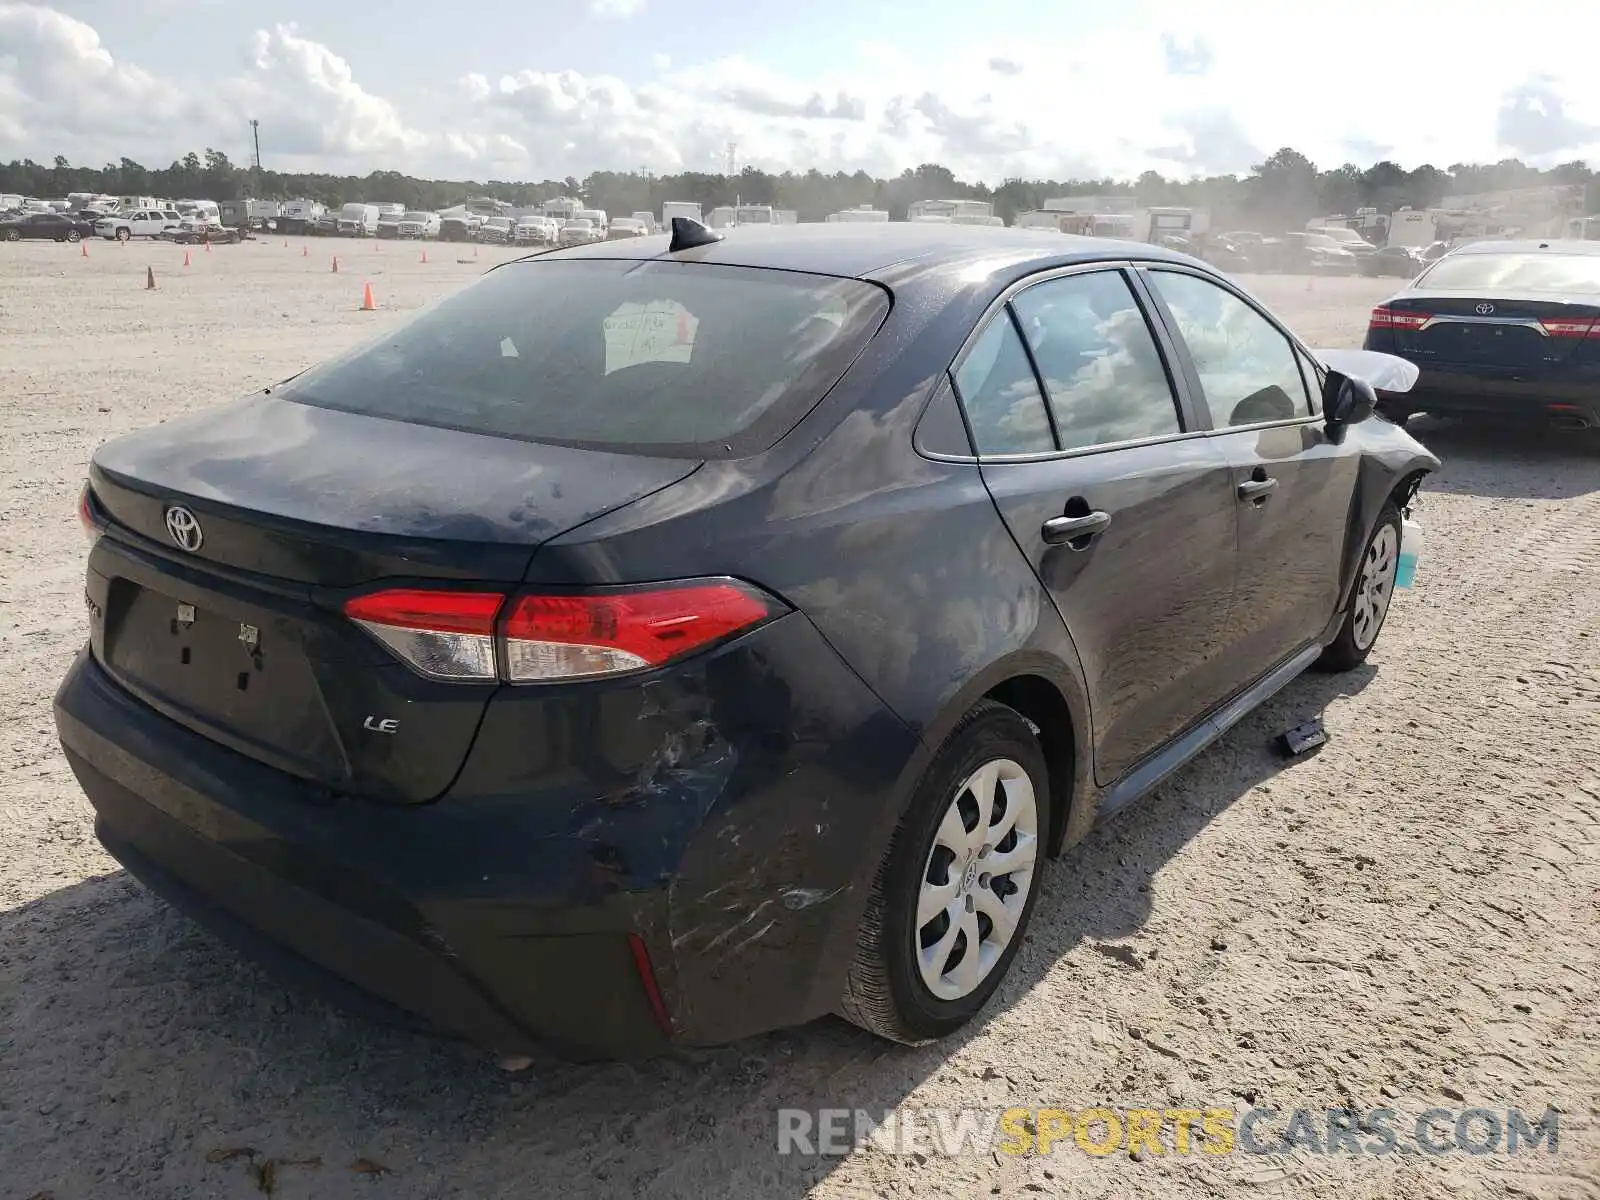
<point>721,808</point>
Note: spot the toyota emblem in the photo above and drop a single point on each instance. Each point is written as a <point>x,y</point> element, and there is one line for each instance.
<point>183,528</point>
<point>1485,309</point>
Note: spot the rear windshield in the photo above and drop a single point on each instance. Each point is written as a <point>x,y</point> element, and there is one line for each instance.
<point>668,358</point>
<point>1516,272</point>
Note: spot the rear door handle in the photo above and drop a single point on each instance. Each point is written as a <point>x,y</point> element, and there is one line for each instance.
<point>1256,489</point>
<point>1058,531</point>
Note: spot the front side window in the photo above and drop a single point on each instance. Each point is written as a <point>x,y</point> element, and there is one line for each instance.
<point>1102,373</point>
<point>1249,371</point>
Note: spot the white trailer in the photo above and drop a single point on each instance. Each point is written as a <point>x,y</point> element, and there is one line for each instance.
<point>859,216</point>
<point>949,209</point>
<point>299,216</point>
<point>1153,224</point>
<point>679,208</point>
<point>1413,227</point>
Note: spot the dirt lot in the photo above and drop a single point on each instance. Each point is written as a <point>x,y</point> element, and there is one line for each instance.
<point>1408,919</point>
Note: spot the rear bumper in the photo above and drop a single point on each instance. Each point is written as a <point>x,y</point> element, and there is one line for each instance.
<point>1459,393</point>
<point>507,917</point>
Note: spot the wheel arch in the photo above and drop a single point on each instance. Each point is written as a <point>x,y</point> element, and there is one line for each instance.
<point>1046,710</point>
<point>1051,697</point>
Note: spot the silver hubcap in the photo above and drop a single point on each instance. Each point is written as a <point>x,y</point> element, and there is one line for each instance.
<point>1375,588</point>
<point>977,879</point>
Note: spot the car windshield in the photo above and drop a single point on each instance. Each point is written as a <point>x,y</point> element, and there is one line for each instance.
<point>1527,271</point>
<point>687,359</point>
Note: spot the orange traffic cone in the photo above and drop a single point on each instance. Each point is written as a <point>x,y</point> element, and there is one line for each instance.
<point>335,264</point>
<point>285,243</point>
<point>368,304</point>
<point>149,279</point>
<point>83,249</point>
<point>1311,283</point>
<point>208,243</point>
<point>376,247</point>
<point>305,251</point>
<point>474,251</point>
<point>424,256</point>
<point>186,258</point>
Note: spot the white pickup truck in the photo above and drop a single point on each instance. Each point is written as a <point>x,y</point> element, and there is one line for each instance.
<point>139,222</point>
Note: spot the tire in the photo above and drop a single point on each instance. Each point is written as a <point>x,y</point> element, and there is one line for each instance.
<point>73,235</point>
<point>887,989</point>
<point>1363,622</point>
<point>124,235</point>
<point>13,235</point>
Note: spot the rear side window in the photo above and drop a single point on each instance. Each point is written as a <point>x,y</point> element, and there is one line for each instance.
<point>1001,394</point>
<point>653,357</point>
<point>1102,372</point>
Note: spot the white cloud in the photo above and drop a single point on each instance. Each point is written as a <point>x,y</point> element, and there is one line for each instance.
<point>1157,91</point>
<point>616,8</point>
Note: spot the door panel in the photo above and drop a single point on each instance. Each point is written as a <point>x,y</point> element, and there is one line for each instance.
<point>1146,600</point>
<point>1135,543</point>
<point>1291,539</point>
<point>1293,486</point>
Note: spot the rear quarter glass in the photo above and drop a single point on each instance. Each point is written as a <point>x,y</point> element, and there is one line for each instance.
<point>661,358</point>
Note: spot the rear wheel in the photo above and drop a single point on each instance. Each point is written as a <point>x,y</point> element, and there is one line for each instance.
<point>73,235</point>
<point>1369,603</point>
<point>955,891</point>
<point>124,234</point>
<point>13,235</point>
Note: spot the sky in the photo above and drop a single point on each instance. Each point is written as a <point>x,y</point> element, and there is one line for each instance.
<point>514,90</point>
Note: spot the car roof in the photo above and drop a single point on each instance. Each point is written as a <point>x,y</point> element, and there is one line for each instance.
<point>885,251</point>
<point>1530,246</point>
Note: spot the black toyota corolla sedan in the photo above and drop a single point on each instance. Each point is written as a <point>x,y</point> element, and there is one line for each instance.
<point>664,641</point>
<point>1500,329</point>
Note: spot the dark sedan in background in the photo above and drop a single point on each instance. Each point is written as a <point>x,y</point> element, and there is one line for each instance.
<point>51,226</point>
<point>1394,261</point>
<point>663,641</point>
<point>1505,329</point>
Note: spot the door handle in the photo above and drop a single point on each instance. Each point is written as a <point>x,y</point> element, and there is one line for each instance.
<point>1060,531</point>
<point>1256,489</point>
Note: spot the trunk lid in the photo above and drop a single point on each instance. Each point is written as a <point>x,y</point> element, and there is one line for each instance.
<point>242,638</point>
<point>1517,331</point>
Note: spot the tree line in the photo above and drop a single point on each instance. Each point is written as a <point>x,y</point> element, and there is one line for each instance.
<point>1281,192</point>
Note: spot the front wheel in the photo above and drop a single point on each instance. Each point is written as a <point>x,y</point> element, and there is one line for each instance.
<point>124,234</point>
<point>954,893</point>
<point>1369,602</point>
<point>13,235</point>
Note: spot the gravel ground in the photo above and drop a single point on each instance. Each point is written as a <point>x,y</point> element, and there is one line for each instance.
<point>1408,919</point>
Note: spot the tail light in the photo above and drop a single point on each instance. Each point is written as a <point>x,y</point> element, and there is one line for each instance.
<point>444,635</point>
<point>1569,329</point>
<point>488,636</point>
<point>91,527</point>
<point>1384,317</point>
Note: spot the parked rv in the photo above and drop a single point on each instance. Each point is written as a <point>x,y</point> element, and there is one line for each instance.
<point>299,216</point>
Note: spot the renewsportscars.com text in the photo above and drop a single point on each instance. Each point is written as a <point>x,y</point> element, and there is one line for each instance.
<point>1376,1132</point>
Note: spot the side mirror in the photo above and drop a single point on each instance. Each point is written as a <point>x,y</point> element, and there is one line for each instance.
<point>1346,401</point>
